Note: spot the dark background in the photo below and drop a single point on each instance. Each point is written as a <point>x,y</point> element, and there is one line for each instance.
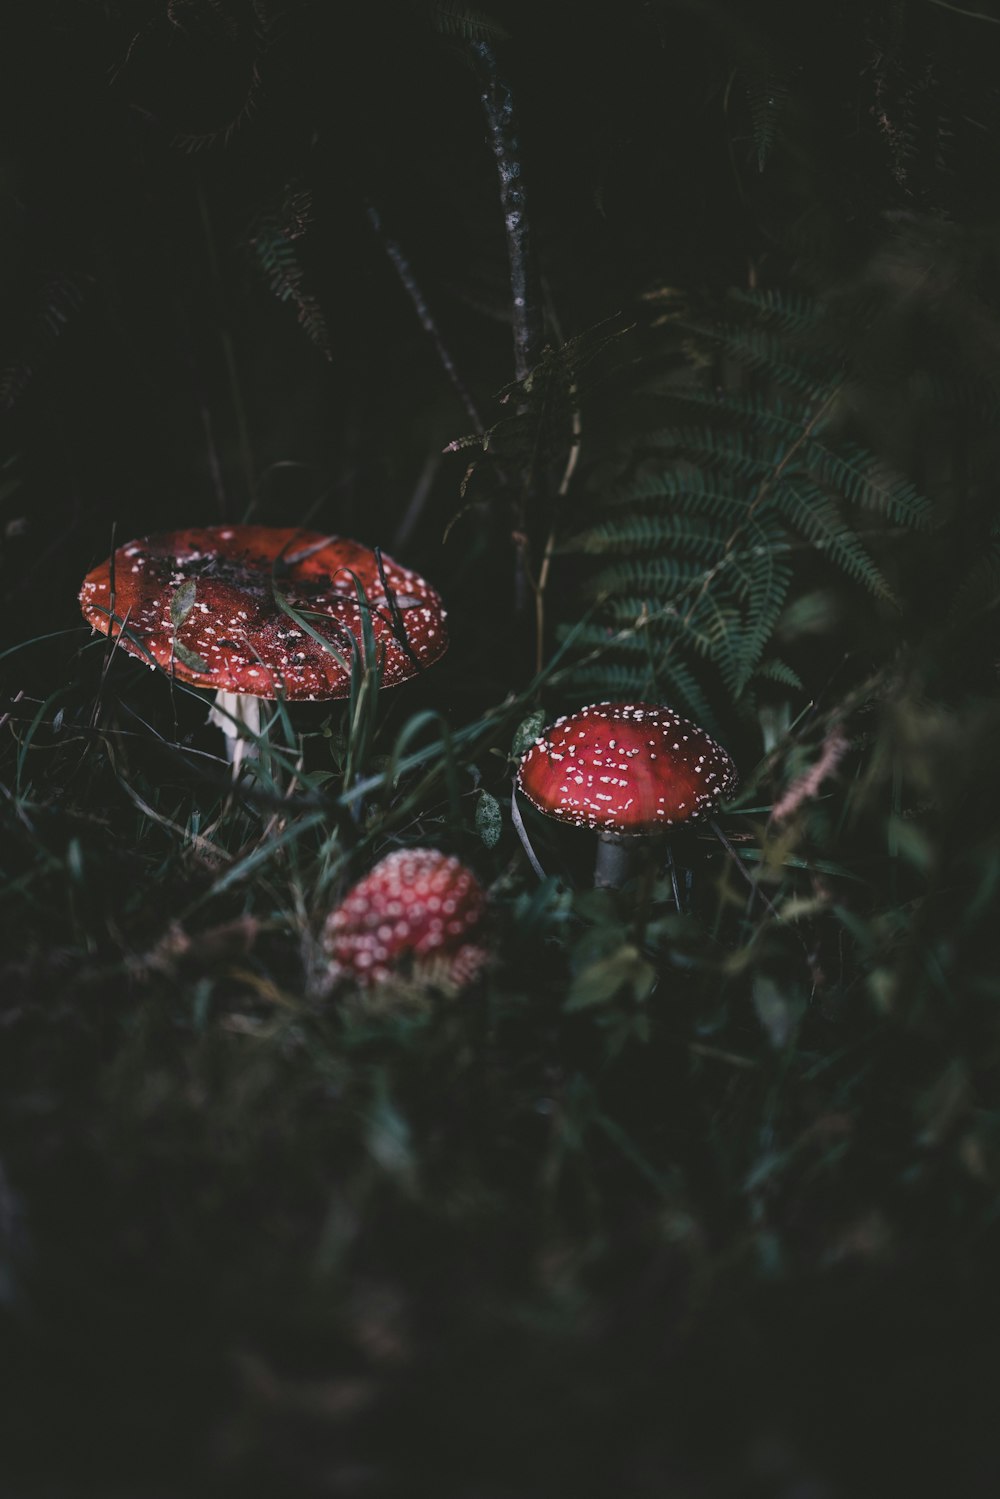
<point>237,1271</point>
<point>152,378</point>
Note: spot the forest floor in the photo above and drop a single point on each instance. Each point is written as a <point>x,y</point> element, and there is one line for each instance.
<point>638,1213</point>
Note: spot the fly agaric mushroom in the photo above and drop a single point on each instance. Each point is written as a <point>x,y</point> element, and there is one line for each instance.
<point>262,612</point>
<point>418,915</point>
<point>627,770</point>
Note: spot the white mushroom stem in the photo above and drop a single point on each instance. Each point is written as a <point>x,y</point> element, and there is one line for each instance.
<point>233,712</point>
<point>615,858</point>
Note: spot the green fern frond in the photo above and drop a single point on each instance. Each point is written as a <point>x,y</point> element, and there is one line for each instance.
<point>469,24</point>
<point>615,682</point>
<point>767,353</point>
<point>738,451</point>
<point>696,490</point>
<point>680,686</point>
<point>700,548</point>
<point>776,670</point>
<point>627,611</point>
<point>655,578</point>
<point>767,96</point>
<point>768,578</point>
<point>812,513</point>
<point>602,637</point>
<point>631,533</point>
<point>770,414</point>
<point>667,679</point>
<point>277,259</point>
<point>789,312</point>
<point>849,469</point>
<point>863,480</point>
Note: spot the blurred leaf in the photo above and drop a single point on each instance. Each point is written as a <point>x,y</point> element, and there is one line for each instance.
<point>388,1136</point>
<point>911,843</point>
<point>779,1009</point>
<point>811,614</point>
<point>945,1103</point>
<point>602,980</point>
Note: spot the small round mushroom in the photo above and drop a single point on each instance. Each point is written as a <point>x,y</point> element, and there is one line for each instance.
<point>628,771</point>
<point>262,612</point>
<point>418,915</point>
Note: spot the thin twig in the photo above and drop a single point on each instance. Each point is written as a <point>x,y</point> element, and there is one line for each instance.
<point>539,585</point>
<point>522,833</point>
<point>421,490</point>
<point>526,301</point>
<point>527,321</point>
<point>673,879</point>
<point>744,871</point>
<point>416,296</point>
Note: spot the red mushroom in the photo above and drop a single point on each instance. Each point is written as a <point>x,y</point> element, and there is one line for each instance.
<point>261,612</point>
<point>627,770</point>
<point>417,915</point>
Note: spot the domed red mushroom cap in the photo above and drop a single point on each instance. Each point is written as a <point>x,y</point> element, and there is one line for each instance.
<point>418,909</point>
<point>627,768</point>
<point>204,604</point>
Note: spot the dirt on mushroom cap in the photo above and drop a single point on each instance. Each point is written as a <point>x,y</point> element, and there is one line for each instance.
<point>626,767</point>
<point>204,603</point>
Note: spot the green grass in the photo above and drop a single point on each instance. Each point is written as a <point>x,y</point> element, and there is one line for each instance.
<point>644,1202</point>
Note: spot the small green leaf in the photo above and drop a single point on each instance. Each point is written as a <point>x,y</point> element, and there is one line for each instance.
<point>74,861</point>
<point>182,602</point>
<point>489,823</point>
<point>190,659</point>
<point>527,732</point>
<point>601,981</point>
<point>779,1010</point>
<point>388,1136</point>
<point>911,842</point>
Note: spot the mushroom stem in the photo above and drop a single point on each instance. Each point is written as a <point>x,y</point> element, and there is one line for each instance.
<point>233,712</point>
<point>615,858</point>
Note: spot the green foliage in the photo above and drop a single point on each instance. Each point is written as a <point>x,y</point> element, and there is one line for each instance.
<point>273,245</point>
<point>468,23</point>
<point>705,535</point>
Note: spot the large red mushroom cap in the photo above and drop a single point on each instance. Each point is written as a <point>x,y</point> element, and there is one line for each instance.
<point>419,913</point>
<point>626,769</point>
<point>203,603</point>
